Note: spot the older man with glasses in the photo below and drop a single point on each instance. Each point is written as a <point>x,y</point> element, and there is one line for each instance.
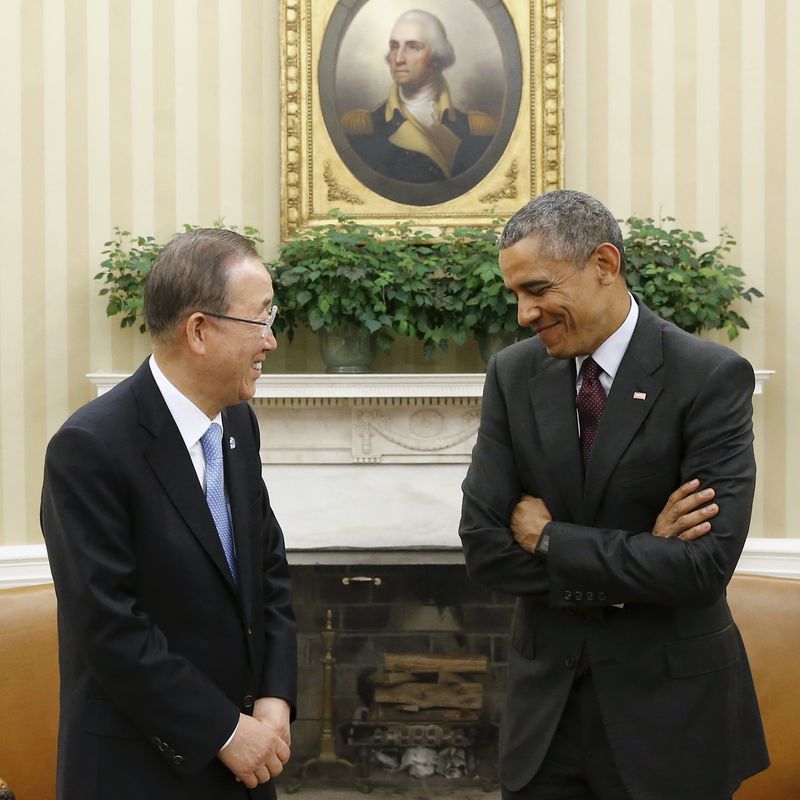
<point>176,632</point>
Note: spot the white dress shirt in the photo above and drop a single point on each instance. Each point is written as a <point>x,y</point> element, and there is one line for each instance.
<point>610,353</point>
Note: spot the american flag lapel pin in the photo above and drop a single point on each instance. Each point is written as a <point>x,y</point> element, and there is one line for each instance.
<point>232,443</point>
<point>640,395</point>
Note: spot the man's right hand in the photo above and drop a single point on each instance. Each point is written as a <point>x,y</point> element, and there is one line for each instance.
<point>256,752</point>
<point>687,513</point>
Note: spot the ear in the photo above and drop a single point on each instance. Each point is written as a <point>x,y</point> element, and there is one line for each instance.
<point>607,260</point>
<point>196,331</point>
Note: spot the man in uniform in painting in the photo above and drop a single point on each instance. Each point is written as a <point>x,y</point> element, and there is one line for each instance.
<point>418,135</point>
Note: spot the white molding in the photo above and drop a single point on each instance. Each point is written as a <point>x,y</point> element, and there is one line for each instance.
<point>780,557</point>
<point>352,556</point>
<point>320,385</point>
<point>373,384</point>
<point>762,376</point>
<point>24,565</point>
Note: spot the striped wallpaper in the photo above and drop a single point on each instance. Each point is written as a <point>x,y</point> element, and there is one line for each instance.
<point>151,113</point>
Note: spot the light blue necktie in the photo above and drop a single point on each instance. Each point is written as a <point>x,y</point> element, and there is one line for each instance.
<point>215,492</point>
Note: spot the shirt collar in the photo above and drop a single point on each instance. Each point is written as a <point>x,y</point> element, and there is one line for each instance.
<point>191,421</point>
<point>610,353</point>
<point>394,103</point>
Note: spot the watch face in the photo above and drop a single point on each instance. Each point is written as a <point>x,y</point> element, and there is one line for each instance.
<point>544,544</point>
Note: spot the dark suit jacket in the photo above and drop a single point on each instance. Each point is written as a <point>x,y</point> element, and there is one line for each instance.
<point>669,667</point>
<point>159,649</point>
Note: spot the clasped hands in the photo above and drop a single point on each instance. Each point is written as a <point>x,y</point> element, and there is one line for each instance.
<point>686,515</point>
<point>260,747</point>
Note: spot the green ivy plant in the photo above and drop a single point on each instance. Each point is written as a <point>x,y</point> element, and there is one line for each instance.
<point>128,261</point>
<point>393,281</point>
<point>347,274</point>
<point>402,281</point>
<point>484,306</point>
<point>682,279</point>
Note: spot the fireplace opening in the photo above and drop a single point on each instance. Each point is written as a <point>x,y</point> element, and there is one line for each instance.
<point>402,676</point>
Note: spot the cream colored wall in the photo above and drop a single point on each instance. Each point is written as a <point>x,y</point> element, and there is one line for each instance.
<point>153,113</point>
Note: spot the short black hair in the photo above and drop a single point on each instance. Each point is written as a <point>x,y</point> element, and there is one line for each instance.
<point>190,274</point>
<point>569,224</point>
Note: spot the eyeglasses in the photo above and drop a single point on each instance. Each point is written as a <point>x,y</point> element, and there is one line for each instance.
<point>264,324</point>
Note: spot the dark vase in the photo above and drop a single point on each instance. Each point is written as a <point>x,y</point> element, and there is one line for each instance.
<point>491,343</point>
<point>348,349</point>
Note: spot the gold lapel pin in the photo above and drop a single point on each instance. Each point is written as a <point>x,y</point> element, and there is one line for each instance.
<point>640,396</point>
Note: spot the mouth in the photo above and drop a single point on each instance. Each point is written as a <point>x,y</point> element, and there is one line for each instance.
<point>256,365</point>
<point>544,328</point>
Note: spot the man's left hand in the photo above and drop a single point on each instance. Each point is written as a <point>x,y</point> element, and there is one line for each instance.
<point>274,712</point>
<point>528,519</point>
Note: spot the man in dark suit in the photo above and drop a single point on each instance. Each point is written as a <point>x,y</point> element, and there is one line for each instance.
<point>177,639</point>
<point>627,677</point>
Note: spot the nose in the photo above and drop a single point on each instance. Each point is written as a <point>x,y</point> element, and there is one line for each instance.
<point>270,342</point>
<point>527,312</point>
<point>400,56</point>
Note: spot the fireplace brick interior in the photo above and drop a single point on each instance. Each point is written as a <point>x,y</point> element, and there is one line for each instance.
<point>417,608</point>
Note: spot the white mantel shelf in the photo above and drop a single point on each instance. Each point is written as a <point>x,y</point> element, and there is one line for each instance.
<point>371,385</point>
<point>279,386</point>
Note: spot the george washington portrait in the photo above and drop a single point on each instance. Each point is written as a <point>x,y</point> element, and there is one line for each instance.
<point>420,98</point>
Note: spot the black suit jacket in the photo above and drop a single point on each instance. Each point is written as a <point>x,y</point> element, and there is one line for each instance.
<point>159,649</point>
<point>669,667</point>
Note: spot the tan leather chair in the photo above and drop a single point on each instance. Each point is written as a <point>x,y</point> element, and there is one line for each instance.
<point>28,691</point>
<point>767,611</point>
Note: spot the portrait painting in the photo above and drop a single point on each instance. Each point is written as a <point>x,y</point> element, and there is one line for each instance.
<point>420,98</point>
<point>446,112</point>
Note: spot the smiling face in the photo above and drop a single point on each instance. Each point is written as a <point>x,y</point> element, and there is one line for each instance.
<point>410,58</point>
<point>237,349</point>
<point>572,310</point>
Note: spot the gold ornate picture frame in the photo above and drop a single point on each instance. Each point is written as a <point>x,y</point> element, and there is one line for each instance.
<point>349,142</point>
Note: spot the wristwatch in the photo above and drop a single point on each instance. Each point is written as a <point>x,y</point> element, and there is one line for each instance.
<point>543,545</point>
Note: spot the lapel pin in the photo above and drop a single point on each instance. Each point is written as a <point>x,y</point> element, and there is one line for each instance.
<point>639,396</point>
<point>232,443</point>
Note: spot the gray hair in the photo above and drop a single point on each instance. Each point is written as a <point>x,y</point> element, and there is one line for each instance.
<point>435,36</point>
<point>190,274</point>
<point>570,225</point>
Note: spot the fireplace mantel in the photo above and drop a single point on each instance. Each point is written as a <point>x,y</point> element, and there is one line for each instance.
<point>367,463</point>
<point>319,385</point>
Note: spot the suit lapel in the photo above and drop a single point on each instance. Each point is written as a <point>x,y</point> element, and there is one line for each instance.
<point>170,461</point>
<point>632,397</point>
<point>552,393</point>
<point>236,483</point>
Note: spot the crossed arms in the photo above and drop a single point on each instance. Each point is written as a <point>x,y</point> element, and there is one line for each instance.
<point>687,515</point>
<point>687,552</point>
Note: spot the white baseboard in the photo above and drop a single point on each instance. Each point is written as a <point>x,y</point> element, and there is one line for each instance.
<point>26,565</point>
<point>780,557</point>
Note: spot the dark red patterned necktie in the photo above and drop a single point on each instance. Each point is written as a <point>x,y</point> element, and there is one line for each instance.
<point>591,401</point>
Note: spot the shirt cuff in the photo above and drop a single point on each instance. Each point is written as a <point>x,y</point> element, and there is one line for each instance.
<point>230,738</point>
